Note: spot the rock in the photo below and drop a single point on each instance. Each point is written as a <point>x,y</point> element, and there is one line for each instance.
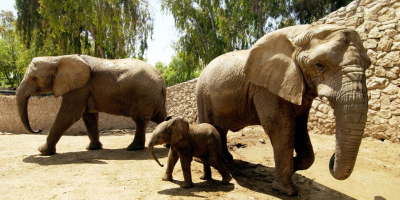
<point>391,33</point>
<point>262,141</point>
<point>395,46</point>
<point>391,90</point>
<point>375,34</point>
<point>385,44</point>
<point>324,108</point>
<point>379,120</point>
<point>370,44</point>
<point>380,71</point>
<point>374,10</point>
<point>386,114</point>
<point>377,83</point>
<point>352,6</point>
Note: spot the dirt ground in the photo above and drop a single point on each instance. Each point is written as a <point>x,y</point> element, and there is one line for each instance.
<point>114,173</point>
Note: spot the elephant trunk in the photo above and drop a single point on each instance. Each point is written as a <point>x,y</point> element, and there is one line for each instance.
<point>22,104</point>
<point>351,115</point>
<point>151,145</point>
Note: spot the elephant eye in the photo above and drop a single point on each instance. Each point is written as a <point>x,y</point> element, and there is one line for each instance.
<point>319,67</point>
<point>34,78</point>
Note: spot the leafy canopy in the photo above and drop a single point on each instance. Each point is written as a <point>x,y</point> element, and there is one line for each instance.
<point>103,28</point>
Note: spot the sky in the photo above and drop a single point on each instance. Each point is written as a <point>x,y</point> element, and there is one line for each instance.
<point>164,32</point>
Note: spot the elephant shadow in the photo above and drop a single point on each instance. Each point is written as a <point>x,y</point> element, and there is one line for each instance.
<point>205,186</point>
<point>94,157</point>
<point>258,178</point>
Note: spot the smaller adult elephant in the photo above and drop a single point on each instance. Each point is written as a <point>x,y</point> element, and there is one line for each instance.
<point>89,85</point>
<point>187,141</point>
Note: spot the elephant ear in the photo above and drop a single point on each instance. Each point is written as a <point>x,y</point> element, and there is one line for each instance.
<point>270,65</point>
<point>180,127</point>
<point>72,73</point>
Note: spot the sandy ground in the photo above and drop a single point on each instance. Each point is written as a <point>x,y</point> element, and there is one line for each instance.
<point>114,173</point>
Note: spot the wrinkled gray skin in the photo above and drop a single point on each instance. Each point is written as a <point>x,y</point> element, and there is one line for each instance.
<point>273,85</point>
<point>89,85</point>
<point>187,141</point>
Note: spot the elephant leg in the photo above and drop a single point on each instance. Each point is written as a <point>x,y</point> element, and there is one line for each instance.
<point>140,135</point>
<point>303,147</point>
<point>283,146</point>
<point>222,133</point>
<point>91,121</point>
<point>206,171</point>
<point>217,163</point>
<point>276,117</point>
<point>187,174</point>
<point>172,159</point>
<point>71,110</point>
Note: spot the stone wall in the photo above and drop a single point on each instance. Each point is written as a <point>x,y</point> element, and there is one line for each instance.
<point>378,23</point>
<point>42,112</point>
<point>181,100</point>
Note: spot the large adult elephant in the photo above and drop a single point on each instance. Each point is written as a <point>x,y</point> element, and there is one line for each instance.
<point>89,85</point>
<point>273,85</point>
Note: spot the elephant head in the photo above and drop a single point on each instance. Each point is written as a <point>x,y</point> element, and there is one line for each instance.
<point>302,62</point>
<point>56,74</point>
<point>168,132</point>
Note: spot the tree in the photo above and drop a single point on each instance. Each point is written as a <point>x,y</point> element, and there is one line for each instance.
<point>214,27</point>
<point>10,48</point>
<point>6,63</point>
<point>308,11</point>
<point>108,29</point>
<point>161,67</point>
<point>179,70</point>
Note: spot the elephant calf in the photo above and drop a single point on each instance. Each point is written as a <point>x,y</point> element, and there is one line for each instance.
<point>201,141</point>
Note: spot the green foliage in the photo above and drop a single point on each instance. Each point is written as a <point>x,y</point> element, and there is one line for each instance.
<point>108,29</point>
<point>308,11</point>
<point>10,49</point>
<point>179,70</point>
<point>6,65</point>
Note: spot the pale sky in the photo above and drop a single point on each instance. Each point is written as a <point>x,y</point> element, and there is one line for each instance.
<point>164,33</point>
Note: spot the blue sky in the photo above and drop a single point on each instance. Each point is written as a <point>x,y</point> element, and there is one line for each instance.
<point>163,36</point>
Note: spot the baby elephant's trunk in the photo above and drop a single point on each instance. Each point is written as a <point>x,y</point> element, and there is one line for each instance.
<point>152,154</point>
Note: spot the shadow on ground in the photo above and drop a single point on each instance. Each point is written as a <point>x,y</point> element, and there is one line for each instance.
<point>95,156</point>
<point>258,178</point>
<point>205,186</point>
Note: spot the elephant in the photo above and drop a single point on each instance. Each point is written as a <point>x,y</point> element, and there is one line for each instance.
<point>89,85</point>
<point>187,141</point>
<point>274,83</point>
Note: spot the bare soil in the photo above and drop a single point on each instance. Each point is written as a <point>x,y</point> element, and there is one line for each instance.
<point>115,173</point>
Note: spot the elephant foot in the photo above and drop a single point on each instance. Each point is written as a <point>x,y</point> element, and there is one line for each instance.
<point>167,177</point>
<point>187,184</point>
<point>46,150</point>
<point>134,147</point>
<point>94,146</point>
<point>205,176</point>
<point>289,189</point>
<point>226,179</point>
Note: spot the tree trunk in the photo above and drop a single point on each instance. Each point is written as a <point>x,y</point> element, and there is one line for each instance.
<point>260,19</point>
<point>93,33</point>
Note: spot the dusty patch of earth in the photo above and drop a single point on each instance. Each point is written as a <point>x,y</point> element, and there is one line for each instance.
<point>74,173</point>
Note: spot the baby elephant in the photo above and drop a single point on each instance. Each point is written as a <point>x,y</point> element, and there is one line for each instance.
<point>187,141</point>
